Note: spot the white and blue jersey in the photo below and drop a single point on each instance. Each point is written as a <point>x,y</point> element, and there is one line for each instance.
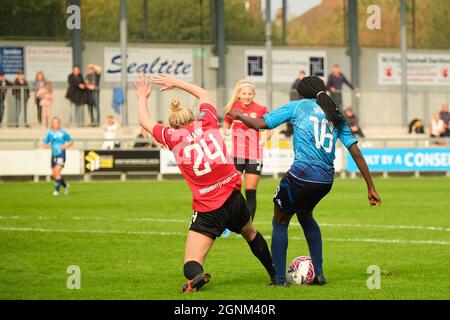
<point>57,138</point>
<point>314,139</point>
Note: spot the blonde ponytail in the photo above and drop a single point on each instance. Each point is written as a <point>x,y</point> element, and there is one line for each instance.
<point>241,83</point>
<point>180,115</point>
<point>175,105</point>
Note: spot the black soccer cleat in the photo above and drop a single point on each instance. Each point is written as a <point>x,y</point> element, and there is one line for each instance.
<point>195,284</point>
<point>319,280</point>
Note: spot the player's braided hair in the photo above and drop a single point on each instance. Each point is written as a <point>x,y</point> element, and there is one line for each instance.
<point>314,88</point>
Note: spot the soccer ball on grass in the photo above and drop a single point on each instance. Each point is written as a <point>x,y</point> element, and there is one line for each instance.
<point>301,271</point>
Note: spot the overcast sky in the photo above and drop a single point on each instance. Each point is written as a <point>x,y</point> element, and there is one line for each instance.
<point>295,7</point>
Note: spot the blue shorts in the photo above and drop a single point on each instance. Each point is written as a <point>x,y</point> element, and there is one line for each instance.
<point>58,161</point>
<point>294,196</point>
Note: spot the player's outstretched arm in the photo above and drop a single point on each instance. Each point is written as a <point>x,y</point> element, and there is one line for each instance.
<point>168,82</point>
<point>250,122</point>
<point>374,198</point>
<point>143,89</point>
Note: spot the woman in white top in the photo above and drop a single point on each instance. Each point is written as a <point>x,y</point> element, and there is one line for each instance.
<point>110,132</point>
<point>437,126</point>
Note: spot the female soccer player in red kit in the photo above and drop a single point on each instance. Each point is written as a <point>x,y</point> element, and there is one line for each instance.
<point>247,143</point>
<point>200,153</point>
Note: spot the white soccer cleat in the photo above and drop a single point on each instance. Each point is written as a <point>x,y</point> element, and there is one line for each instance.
<point>66,189</point>
<point>55,193</point>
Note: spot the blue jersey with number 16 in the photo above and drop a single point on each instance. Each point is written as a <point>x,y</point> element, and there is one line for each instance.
<point>314,139</point>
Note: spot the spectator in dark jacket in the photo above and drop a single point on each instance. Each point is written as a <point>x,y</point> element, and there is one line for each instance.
<point>445,116</point>
<point>76,93</point>
<point>92,81</point>
<point>3,87</point>
<point>21,93</point>
<point>334,84</point>
<point>353,122</point>
<point>293,94</point>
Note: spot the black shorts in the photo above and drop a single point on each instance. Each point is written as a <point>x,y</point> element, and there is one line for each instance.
<point>233,215</point>
<point>58,161</point>
<point>299,197</point>
<point>248,165</point>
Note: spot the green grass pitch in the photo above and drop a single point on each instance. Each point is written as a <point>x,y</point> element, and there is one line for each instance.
<point>128,240</point>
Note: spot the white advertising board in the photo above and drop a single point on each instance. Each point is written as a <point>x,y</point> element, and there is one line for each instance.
<point>175,62</point>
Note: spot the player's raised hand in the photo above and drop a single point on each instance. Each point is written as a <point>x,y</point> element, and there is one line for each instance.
<point>374,198</point>
<point>143,86</point>
<point>167,82</point>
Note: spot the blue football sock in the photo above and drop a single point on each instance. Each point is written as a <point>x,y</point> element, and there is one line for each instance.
<point>279,247</point>
<point>62,182</point>
<point>57,185</point>
<point>314,239</point>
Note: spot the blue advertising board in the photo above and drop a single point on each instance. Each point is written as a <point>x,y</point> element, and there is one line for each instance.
<point>396,160</point>
<point>11,60</point>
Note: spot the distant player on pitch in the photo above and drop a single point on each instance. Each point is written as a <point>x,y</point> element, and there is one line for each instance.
<point>215,183</point>
<point>59,141</point>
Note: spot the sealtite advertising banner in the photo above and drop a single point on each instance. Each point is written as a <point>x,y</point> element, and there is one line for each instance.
<point>397,160</point>
<point>175,62</point>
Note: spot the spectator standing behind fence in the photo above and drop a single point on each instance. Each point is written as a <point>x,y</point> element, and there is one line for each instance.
<point>92,82</point>
<point>38,84</point>
<point>353,122</point>
<point>445,116</point>
<point>21,93</point>
<point>3,88</point>
<point>334,84</point>
<point>76,94</point>
<point>437,127</point>
<point>110,132</point>
<point>45,96</point>
<point>293,93</point>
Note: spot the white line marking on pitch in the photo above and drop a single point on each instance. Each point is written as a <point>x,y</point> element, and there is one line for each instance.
<point>324,224</point>
<point>155,233</point>
<point>151,233</point>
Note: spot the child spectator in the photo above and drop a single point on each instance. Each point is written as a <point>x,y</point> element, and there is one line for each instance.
<point>45,96</point>
<point>110,132</point>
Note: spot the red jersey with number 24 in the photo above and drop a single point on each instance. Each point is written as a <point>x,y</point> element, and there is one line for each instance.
<point>201,155</point>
